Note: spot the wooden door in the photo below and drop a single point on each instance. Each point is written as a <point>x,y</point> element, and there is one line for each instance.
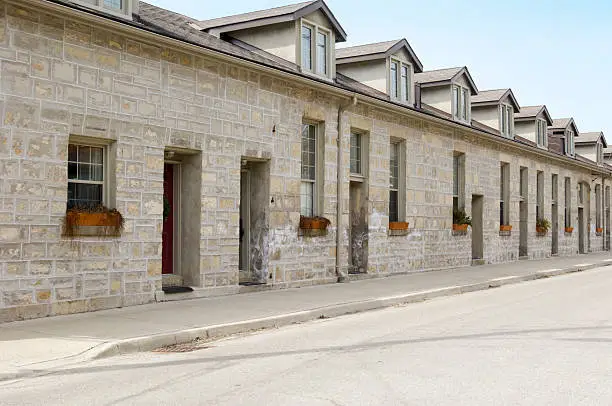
<point>168,222</point>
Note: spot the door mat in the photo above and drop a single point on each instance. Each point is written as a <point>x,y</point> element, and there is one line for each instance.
<point>176,289</point>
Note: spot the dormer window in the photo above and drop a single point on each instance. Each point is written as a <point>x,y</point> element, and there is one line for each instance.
<point>400,81</point>
<point>599,153</point>
<point>541,135</point>
<point>121,8</point>
<point>315,49</point>
<point>461,103</point>
<point>569,143</point>
<point>506,120</point>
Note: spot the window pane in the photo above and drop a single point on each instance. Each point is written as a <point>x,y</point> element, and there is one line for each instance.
<point>306,48</point>
<point>464,106</point>
<point>97,155</point>
<point>84,154</point>
<point>456,175</point>
<point>84,195</point>
<point>72,170</point>
<point>456,101</point>
<point>393,206</point>
<point>72,152</point>
<point>394,166</point>
<point>504,128</point>
<point>393,80</point>
<point>355,153</point>
<point>96,172</point>
<point>113,4</point>
<point>84,172</point>
<point>405,83</point>
<point>308,151</point>
<point>307,199</point>
<point>321,53</point>
<point>509,119</point>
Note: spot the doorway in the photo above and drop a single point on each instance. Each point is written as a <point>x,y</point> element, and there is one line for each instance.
<point>253,221</point>
<point>555,229</point>
<point>607,238</point>
<point>524,213</point>
<point>581,227</point>
<point>477,227</point>
<point>358,247</point>
<point>170,219</point>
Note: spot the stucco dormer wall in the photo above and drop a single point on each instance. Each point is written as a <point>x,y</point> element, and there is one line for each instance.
<point>487,115</point>
<point>277,39</point>
<point>438,97</point>
<point>588,151</point>
<point>371,73</point>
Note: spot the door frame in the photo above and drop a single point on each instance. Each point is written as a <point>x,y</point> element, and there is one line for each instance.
<point>245,245</point>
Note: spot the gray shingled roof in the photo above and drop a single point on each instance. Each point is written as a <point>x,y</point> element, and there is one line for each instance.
<point>366,49</point>
<point>377,50</point>
<point>560,123</point>
<point>254,15</point>
<point>444,76</point>
<point>528,112</point>
<point>587,138</point>
<point>494,96</point>
<point>272,15</point>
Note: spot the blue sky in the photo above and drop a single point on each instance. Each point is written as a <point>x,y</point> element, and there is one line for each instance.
<point>557,53</point>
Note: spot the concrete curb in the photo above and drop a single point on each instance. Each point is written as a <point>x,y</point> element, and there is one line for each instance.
<point>148,343</point>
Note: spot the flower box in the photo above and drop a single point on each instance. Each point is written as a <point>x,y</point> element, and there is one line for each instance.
<point>541,230</point>
<point>100,222</point>
<point>599,230</point>
<point>460,227</point>
<point>314,223</point>
<point>569,230</point>
<point>398,225</point>
<point>505,227</point>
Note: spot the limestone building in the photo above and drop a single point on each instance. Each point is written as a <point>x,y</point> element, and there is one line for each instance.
<point>253,150</point>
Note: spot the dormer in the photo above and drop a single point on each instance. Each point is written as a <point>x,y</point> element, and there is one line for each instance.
<point>117,8</point>
<point>304,34</point>
<point>562,133</point>
<point>448,91</point>
<point>591,146</point>
<point>532,124</point>
<point>495,109</point>
<point>388,67</point>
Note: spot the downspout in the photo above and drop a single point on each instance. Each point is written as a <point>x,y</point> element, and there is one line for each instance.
<point>342,277</point>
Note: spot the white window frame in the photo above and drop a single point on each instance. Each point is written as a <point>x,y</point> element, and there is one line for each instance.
<point>598,204</point>
<point>541,130</point>
<point>599,152</point>
<point>315,30</point>
<point>125,11</point>
<point>105,168</point>
<point>401,179</point>
<point>400,96</point>
<point>315,181</point>
<point>358,159</point>
<point>569,143</point>
<point>464,105</point>
<point>459,180</point>
<point>506,112</point>
<point>539,195</point>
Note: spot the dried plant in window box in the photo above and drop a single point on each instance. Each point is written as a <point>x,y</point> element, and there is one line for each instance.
<point>107,222</point>
<point>542,226</point>
<point>569,230</point>
<point>398,225</point>
<point>599,231</point>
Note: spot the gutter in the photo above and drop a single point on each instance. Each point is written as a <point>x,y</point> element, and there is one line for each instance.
<point>118,23</point>
<point>342,277</point>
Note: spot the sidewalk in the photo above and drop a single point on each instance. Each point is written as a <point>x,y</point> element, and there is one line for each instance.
<point>33,346</point>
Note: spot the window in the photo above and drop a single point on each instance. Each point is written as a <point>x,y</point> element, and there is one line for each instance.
<point>541,136</point>
<point>598,206</point>
<point>116,7</point>
<point>400,80</point>
<point>309,170</point>
<point>555,188</point>
<point>569,143</point>
<point>506,119</point>
<point>356,152</point>
<point>394,181</point>
<point>321,53</point>
<point>85,175</point>
<point>394,88</point>
<point>315,49</point>
<point>524,181</point>
<point>599,152</point>
<point>504,195</point>
<point>461,103</point>
<point>581,193</point>
<point>539,195</point>
<point>458,181</point>
<point>568,202</point>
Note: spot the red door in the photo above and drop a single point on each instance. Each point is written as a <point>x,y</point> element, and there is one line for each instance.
<point>168,225</point>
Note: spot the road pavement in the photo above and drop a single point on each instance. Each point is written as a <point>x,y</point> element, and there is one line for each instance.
<point>546,342</point>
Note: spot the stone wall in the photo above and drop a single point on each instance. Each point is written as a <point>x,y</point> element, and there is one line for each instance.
<point>62,79</point>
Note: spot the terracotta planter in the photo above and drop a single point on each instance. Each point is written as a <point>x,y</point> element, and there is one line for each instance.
<point>569,229</point>
<point>313,223</point>
<point>599,230</point>
<point>541,230</point>
<point>94,219</point>
<point>398,225</point>
<point>460,227</point>
<point>505,227</point>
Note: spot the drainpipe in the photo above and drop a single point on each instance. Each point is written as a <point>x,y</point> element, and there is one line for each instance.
<point>342,277</point>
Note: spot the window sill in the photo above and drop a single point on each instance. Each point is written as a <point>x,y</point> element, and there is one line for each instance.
<point>398,233</point>
<point>312,232</point>
<point>355,177</point>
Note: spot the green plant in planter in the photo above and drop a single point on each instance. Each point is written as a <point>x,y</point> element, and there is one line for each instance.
<point>542,225</point>
<point>460,217</point>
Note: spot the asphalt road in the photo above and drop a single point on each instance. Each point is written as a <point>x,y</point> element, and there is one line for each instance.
<point>546,342</point>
